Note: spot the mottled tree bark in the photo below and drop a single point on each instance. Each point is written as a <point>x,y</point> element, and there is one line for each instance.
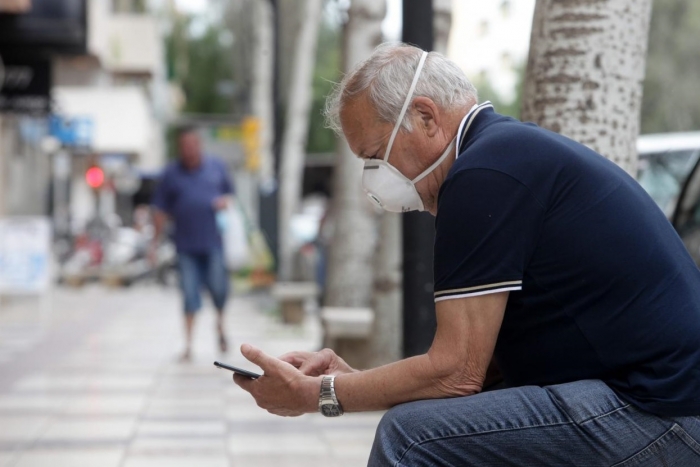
<point>585,72</point>
<point>386,341</point>
<point>262,86</point>
<point>350,278</point>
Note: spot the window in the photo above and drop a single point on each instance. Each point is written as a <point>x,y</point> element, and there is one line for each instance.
<point>483,28</point>
<point>663,174</point>
<point>506,8</point>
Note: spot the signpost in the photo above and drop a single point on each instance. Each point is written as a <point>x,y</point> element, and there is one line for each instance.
<point>25,255</point>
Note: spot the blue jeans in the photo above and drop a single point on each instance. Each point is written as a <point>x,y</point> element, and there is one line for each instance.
<point>576,424</point>
<point>202,269</point>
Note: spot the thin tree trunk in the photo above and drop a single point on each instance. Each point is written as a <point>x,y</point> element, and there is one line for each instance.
<point>350,273</point>
<point>585,72</point>
<point>296,130</point>
<point>386,341</point>
<point>262,86</point>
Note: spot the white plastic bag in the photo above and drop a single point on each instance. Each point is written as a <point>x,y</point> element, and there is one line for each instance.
<point>234,238</point>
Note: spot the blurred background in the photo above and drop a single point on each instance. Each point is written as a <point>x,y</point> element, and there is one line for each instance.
<point>92,95</point>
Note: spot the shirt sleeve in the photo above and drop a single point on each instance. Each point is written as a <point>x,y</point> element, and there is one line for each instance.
<point>487,227</point>
<point>161,197</point>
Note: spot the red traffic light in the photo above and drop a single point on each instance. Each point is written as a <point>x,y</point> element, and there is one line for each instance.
<point>95,177</point>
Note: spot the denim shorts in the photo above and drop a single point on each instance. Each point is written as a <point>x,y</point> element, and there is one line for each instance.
<point>198,270</point>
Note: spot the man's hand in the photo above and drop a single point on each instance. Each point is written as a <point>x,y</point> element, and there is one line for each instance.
<point>152,254</point>
<point>221,203</point>
<point>160,218</point>
<point>282,389</point>
<point>325,362</point>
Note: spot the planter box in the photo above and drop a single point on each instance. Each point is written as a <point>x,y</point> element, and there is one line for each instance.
<point>344,323</point>
<point>292,297</point>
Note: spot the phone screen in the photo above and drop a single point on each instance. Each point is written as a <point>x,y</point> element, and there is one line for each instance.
<point>238,371</point>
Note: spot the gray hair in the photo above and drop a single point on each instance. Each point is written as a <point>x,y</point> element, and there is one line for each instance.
<point>387,74</point>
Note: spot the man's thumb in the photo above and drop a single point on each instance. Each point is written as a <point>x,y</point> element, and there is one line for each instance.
<point>257,356</point>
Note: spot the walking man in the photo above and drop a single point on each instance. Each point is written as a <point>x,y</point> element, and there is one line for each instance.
<point>190,193</point>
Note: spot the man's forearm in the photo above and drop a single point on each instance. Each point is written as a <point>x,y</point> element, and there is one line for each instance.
<point>456,365</point>
<point>407,380</point>
<point>159,220</point>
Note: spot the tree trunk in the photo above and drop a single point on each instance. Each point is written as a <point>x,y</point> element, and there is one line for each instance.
<point>386,341</point>
<point>350,272</point>
<point>262,84</point>
<point>585,72</point>
<point>442,23</point>
<point>296,130</point>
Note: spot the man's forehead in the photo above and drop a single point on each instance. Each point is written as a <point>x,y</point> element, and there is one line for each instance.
<point>360,125</point>
<point>357,109</point>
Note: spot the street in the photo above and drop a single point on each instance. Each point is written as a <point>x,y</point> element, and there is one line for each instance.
<point>89,377</point>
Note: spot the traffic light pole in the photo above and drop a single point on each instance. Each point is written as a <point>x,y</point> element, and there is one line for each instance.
<point>418,227</point>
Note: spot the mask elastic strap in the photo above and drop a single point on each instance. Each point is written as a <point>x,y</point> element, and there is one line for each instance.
<point>405,105</point>
<point>435,164</point>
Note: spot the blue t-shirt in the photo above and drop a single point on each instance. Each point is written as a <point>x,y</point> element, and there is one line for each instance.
<point>601,286</point>
<point>188,197</point>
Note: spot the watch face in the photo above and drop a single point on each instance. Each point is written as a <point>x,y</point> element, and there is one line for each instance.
<point>330,410</point>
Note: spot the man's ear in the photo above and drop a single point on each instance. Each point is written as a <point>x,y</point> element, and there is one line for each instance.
<point>428,114</point>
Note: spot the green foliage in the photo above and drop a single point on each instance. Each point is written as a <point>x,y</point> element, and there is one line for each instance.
<point>200,65</point>
<point>209,66</point>
<point>487,93</point>
<point>327,71</point>
<point>671,100</point>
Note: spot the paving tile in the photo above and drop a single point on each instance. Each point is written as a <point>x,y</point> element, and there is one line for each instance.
<point>351,447</point>
<point>111,382</point>
<point>22,428</point>
<point>32,402</point>
<point>48,382</point>
<point>192,400</point>
<point>277,460</point>
<point>178,445</point>
<point>7,459</point>
<point>189,412</point>
<point>176,461</point>
<point>71,458</point>
<point>192,429</point>
<point>101,404</point>
<point>89,429</point>
<point>277,443</point>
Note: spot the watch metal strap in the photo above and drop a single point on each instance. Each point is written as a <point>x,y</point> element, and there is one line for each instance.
<point>327,396</point>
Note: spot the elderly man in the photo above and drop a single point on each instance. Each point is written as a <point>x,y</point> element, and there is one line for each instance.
<point>550,261</point>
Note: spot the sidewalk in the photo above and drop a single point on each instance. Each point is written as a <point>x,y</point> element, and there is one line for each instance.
<point>92,380</point>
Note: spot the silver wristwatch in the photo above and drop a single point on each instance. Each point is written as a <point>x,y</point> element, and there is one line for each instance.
<point>328,403</point>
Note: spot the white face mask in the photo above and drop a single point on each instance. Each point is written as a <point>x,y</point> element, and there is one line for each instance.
<point>387,187</point>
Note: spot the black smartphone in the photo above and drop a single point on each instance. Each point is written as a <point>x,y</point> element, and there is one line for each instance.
<point>238,371</point>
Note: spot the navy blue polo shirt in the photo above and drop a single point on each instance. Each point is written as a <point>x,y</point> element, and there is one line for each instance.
<point>601,286</point>
<point>188,197</point>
